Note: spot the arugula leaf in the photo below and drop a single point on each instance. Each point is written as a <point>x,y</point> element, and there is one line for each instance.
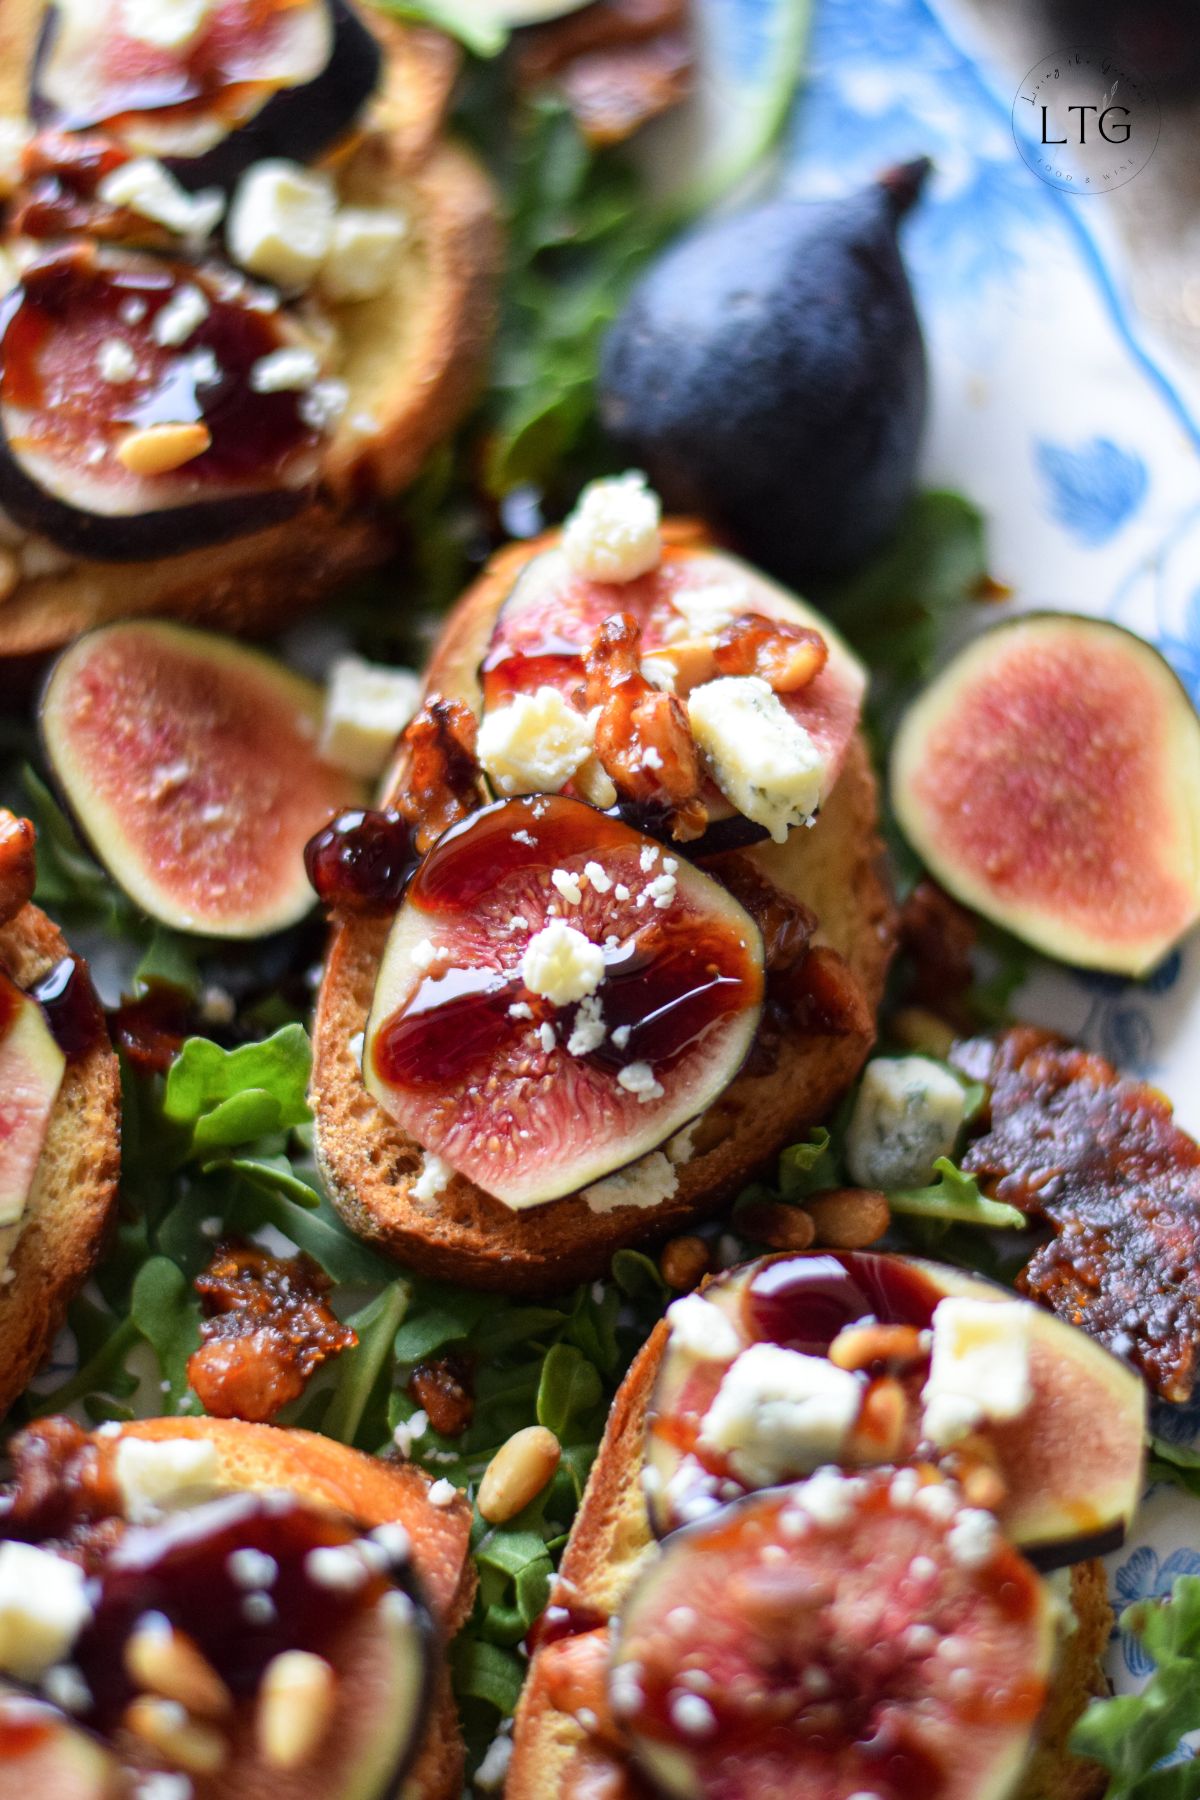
<point>359,1371</point>
<point>808,1167</point>
<point>1176,1463</point>
<point>569,1393</point>
<point>167,1314</point>
<point>955,1196</point>
<point>229,1097</point>
<point>1130,1735</point>
<point>470,24</point>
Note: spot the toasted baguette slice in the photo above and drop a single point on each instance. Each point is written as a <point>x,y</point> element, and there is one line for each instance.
<point>371,1492</point>
<point>411,360</point>
<point>75,1190</point>
<point>611,1541</point>
<point>370,1164</point>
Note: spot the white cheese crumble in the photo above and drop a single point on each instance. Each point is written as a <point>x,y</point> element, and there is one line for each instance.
<point>442,1493</point>
<point>562,965</point>
<point>367,706</point>
<point>535,743</point>
<point>702,1329</point>
<point>43,1608</point>
<point>164,24</point>
<point>424,954</point>
<point>115,361</point>
<point>702,612</point>
<point>648,857</point>
<point>547,1036</point>
<point>601,882</point>
<point>972,1539</point>
<point>520,1009</point>
<point>587,1033</point>
<point>639,1078</point>
<point>321,408</point>
<point>363,246</point>
<point>681,1148</point>
<point>764,763</point>
<point>691,1714</point>
<point>409,1430</point>
<point>979,1368</point>
<point>909,1111</point>
<point>290,369</point>
<point>249,1568</point>
<point>493,1770</point>
<point>613,533</point>
<point>183,314</point>
<point>152,1476</point>
<point>567,885</point>
<point>646,1182</point>
<point>661,891</point>
<point>280,222</point>
<point>432,1180</point>
<point>145,187</point>
<point>778,1412</point>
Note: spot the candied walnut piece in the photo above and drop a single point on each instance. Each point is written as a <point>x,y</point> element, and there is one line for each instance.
<point>150,1031</point>
<point>787,656</point>
<point>618,63</point>
<point>643,738</point>
<point>268,1329</point>
<point>442,1389</point>
<point>61,173</point>
<point>61,1489</point>
<point>1100,1158</point>
<point>938,936</point>
<point>18,864</point>
<point>824,995</point>
<point>441,783</point>
<point>786,924</point>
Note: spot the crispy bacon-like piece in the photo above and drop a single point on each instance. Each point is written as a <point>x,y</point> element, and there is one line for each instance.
<point>18,864</point>
<point>785,656</point>
<point>442,774</point>
<point>269,1328</point>
<point>643,738</point>
<point>1100,1158</point>
<point>442,1389</point>
<point>618,63</point>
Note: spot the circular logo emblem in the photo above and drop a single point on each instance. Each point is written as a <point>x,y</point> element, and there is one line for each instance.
<point>1084,122</point>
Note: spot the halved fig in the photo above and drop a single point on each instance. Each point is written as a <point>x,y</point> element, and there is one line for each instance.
<point>250,79</point>
<point>1063,1474</point>
<point>849,1636</point>
<point>190,763</point>
<point>683,607</point>
<point>31,1073</point>
<point>245,1580</point>
<point>146,406</point>
<point>556,998</point>
<point>1050,779</point>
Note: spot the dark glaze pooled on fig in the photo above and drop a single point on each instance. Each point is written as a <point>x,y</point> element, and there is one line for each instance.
<point>768,373</point>
<point>72,1007</point>
<point>206,110</point>
<point>62,424</point>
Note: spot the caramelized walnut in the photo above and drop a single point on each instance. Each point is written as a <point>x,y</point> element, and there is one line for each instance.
<point>618,63</point>
<point>643,738</point>
<point>786,656</point>
<point>61,173</point>
<point>442,1389</point>
<point>61,1490</point>
<point>937,936</point>
<point>268,1329</point>
<point>18,864</point>
<point>786,924</point>
<point>442,782</point>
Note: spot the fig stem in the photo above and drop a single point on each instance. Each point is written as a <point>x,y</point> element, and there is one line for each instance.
<point>902,185</point>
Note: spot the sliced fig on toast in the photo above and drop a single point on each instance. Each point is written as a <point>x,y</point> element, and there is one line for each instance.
<point>556,998</point>
<point>148,406</point>
<point>1058,1457</point>
<point>206,88</point>
<point>31,1072</point>
<point>1050,779</point>
<point>702,615</point>
<point>190,763</point>
<point>43,1752</point>
<point>848,1636</point>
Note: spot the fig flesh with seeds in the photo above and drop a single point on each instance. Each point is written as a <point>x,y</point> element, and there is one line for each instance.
<point>831,1640</point>
<point>190,764</point>
<point>31,1072</point>
<point>556,998</point>
<point>1070,1463</point>
<point>1049,778</point>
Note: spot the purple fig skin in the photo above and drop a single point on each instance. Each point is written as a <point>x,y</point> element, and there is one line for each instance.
<point>297,122</point>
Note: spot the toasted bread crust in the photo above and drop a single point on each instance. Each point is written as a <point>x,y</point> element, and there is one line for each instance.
<point>370,1163</point>
<point>372,1492</point>
<point>75,1191</point>
<point>611,1541</point>
<point>411,360</point>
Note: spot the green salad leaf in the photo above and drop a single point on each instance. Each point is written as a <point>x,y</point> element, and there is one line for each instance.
<point>955,1197</point>
<point>1178,1464</point>
<point>1133,1733</point>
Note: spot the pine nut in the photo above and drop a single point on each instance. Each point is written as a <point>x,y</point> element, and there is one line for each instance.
<point>167,1663</point>
<point>849,1218</point>
<point>683,1261</point>
<point>295,1706</point>
<point>880,1427</point>
<point>164,1725</point>
<point>519,1470</point>
<point>774,1223</point>
<point>919,1029</point>
<point>157,449</point>
<point>984,1487</point>
<point>858,1346</point>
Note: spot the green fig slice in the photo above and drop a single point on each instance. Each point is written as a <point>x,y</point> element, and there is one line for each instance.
<point>191,765</point>
<point>848,1636</point>
<point>31,1073</point>
<point>1050,779</point>
<point>556,998</point>
<point>1069,1456</point>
